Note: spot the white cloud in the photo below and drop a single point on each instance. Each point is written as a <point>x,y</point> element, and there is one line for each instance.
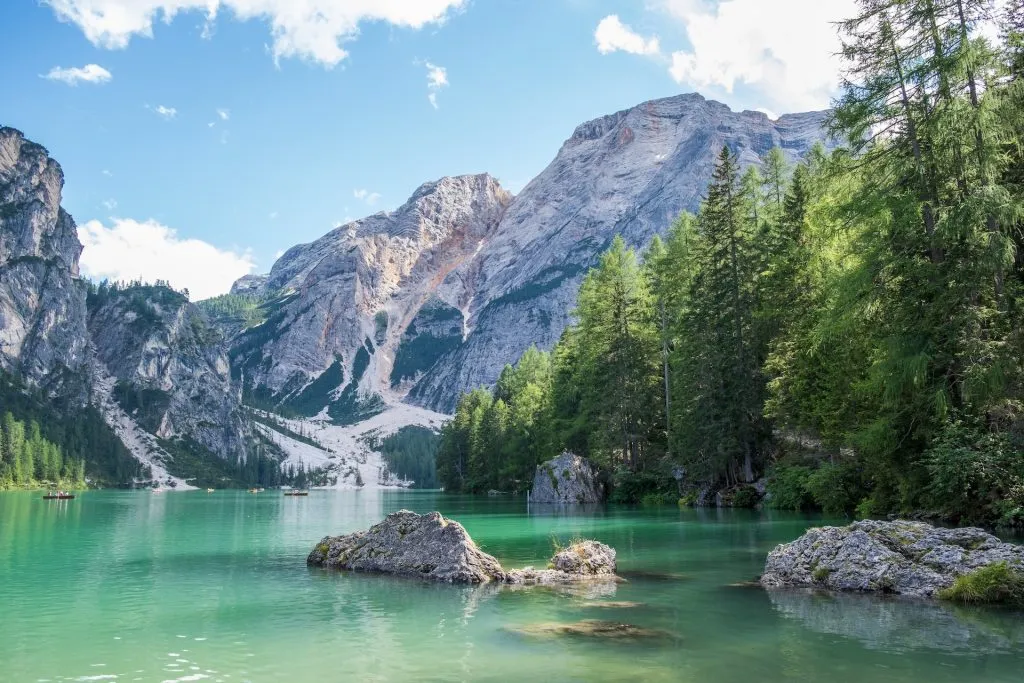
<point>437,78</point>
<point>612,35</point>
<point>167,113</point>
<point>224,114</point>
<point>107,173</point>
<point>110,204</point>
<point>308,29</point>
<point>90,73</point>
<point>785,50</point>
<point>130,250</point>
<point>272,215</point>
<point>370,198</point>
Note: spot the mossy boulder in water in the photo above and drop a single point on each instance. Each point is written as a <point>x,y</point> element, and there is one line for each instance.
<point>409,544</point>
<point>432,547</point>
<point>904,558</point>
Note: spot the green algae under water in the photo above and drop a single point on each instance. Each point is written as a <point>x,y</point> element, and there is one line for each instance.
<point>136,586</point>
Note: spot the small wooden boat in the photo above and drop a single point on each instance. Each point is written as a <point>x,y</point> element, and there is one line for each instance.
<point>296,493</point>
<point>58,496</point>
<point>209,490</point>
<point>255,490</point>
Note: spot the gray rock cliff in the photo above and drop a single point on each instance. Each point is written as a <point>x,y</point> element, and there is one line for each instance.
<point>42,301</point>
<point>171,368</point>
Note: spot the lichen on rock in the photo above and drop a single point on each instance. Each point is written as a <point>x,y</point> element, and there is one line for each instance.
<point>900,557</point>
<point>567,480</point>
<point>432,547</point>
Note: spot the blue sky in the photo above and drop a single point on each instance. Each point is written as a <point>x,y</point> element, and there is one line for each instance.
<point>198,148</point>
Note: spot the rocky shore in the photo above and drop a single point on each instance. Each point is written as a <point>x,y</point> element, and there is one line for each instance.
<point>432,547</point>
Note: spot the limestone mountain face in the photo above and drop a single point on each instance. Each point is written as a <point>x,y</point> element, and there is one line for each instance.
<point>354,314</point>
<point>42,302</point>
<point>170,366</point>
<point>631,174</point>
<point>435,298</point>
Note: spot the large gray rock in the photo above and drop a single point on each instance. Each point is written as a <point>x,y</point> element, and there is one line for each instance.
<point>432,547</point>
<point>567,479</point>
<point>42,302</point>
<point>904,558</point>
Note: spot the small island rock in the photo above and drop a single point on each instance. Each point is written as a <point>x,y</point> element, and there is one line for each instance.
<point>904,558</point>
<point>432,547</point>
<point>409,544</point>
<point>567,479</point>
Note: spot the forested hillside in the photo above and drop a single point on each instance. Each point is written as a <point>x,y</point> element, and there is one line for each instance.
<point>850,327</point>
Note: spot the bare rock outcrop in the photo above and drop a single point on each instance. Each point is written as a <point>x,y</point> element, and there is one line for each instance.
<point>432,547</point>
<point>903,558</point>
<point>567,479</point>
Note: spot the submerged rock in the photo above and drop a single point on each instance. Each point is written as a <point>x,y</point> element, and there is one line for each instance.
<point>904,558</point>
<point>566,479</point>
<point>432,547</point>
<point>593,628</point>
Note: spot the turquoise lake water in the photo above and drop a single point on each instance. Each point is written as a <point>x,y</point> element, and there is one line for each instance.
<point>136,586</point>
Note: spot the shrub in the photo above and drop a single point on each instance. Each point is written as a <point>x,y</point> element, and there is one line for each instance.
<point>745,497</point>
<point>656,499</point>
<point>995,584</point>
<point>837,487</point>
<point>633,487</point>
<point>689,500</point>
<point>973,473</point>
<point>787,488</point>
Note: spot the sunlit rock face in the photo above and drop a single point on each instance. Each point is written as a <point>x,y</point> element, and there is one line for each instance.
<point>433,299</point>
<point>170,366</point>
<point>42,302</point>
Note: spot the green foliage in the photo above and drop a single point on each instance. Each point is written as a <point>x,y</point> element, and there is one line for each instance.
<point>436,331</point>
<point>316,394</point>
<point>975,475</point>
<point>496,440</point>
<point>61,437</point>
<point>146,405</point>
<point>745,497</point>
<point>638,487</point>
<point>236,311</point>
<point>410,454</point>
<point>995,584</point>
<point>837,487</point>
<point>787,488</point>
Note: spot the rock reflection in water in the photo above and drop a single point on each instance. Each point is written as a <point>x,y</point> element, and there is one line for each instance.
<point>902,624</point>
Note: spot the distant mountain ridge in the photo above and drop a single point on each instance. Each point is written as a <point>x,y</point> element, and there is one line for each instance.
<point>482,275</point>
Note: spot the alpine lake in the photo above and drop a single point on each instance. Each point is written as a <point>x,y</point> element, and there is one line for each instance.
<point>191,586</point>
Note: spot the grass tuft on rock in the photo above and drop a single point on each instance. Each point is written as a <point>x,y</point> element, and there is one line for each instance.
<point>995,584</point>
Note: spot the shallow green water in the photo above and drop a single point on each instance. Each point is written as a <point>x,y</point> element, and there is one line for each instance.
<point>144,587</point>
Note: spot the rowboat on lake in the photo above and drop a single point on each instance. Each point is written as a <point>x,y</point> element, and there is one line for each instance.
<point>59,495</point>
<point>296,493</point>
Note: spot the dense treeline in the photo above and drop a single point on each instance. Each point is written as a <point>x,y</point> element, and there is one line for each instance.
<point>852,327</point>
<point>28,460</point>
<point>410,454</point>
<point>79,433</point>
